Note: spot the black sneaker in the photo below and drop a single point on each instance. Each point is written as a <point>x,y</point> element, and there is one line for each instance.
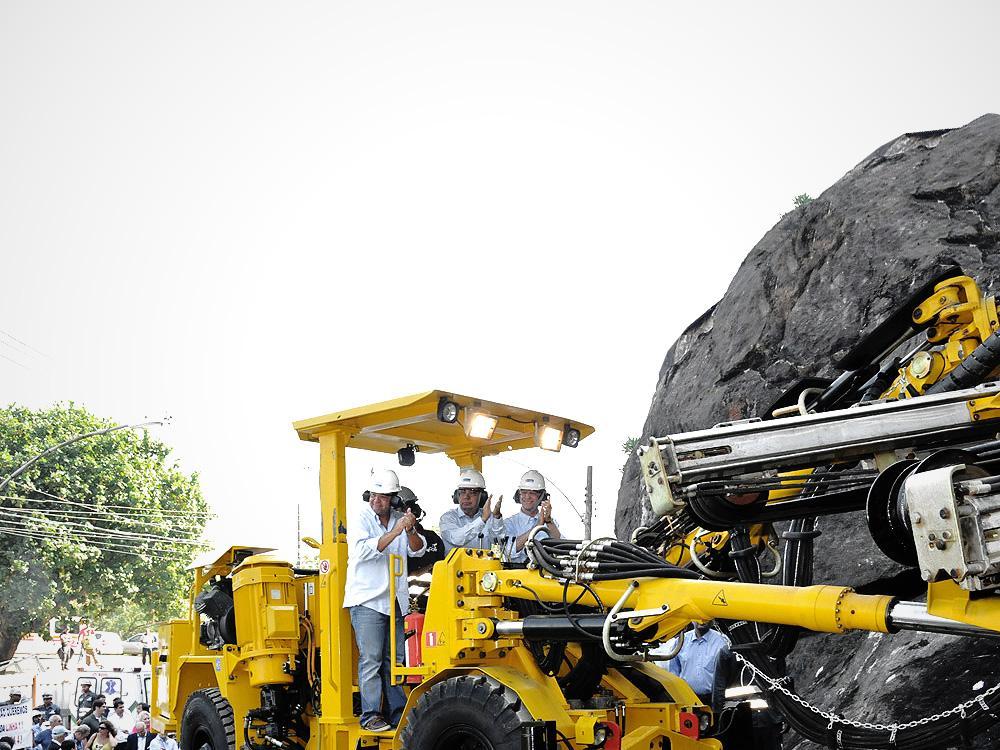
<point>376,724</point>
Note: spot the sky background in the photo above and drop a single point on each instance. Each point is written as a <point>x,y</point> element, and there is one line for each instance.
<point>241,214</point>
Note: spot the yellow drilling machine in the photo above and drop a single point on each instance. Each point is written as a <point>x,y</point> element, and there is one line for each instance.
<point>558,653</point>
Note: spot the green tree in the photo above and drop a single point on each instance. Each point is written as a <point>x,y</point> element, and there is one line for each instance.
<point>801,199</point>
<point>103,528</point>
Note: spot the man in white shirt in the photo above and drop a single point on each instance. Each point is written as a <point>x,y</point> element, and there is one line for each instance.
<point>536,510</point>
<point>473,523</point>
<point>123,720</point>
<point>162,742</point>
<point>374,533</point>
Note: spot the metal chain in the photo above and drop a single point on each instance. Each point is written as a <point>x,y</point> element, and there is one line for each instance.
<point>834,719</point>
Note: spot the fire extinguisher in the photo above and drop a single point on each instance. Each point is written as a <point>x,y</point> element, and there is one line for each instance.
<point>414,639</point>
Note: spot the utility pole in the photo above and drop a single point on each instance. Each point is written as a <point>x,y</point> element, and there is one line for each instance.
<point>588,503</point>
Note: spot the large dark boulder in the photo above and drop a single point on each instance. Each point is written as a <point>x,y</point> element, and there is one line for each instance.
<point>822,276</point>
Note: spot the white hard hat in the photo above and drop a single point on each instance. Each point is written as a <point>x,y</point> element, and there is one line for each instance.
<point>384,482</point>
<point>471,478</point>
<point>532,480</point>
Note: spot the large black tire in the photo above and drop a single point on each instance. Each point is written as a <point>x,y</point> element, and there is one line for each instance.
<point>471,712</point>
<point>207,722</point>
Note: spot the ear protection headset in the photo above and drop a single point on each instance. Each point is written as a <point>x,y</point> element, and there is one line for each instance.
<point>394,502</point>
<point>543,498</point>
<point>483,497</point>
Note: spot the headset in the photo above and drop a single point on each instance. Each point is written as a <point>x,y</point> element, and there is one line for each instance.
<point>483,497</point>
<point>544,496</point>
<point>394,502</point>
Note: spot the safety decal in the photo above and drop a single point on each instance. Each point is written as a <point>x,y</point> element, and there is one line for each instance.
<point>720,599</point>
<point>324,567</point>
<point>431,638</point>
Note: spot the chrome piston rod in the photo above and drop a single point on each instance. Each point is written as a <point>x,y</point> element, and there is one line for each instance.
<point>914,616</point>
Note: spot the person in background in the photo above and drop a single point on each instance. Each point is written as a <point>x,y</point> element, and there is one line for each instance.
<point>68,744</point>
<point>80,735</point>
<point>96,716</point>
<point>144,717</point>
<point>89,646</point>
<point>48,707</point>
<point>37,729</point>
<point>163,742</point>
<point>85,703</point>
<point>104,737</point>
<point>698,660</point>
<point>536,510</point>
<point>148,644</point>
<point>123,720</point>
<point>474,523</point>
<point>44,738</point>
<point>65,648</point>
<point>58,735</point>
<point>140,737</point>
<point>14,699</point>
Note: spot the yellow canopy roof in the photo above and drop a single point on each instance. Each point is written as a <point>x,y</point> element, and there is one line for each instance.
<point>413,420</point>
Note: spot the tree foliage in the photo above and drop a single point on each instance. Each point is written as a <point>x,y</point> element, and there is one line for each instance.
<point>102,528</point>
<point>801,199</point>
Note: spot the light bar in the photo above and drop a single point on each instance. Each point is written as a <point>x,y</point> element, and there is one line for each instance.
<point>479,424</point>
<point>548,438</point>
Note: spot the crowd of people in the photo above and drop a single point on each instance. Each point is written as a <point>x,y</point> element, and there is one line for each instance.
<point>385,526</point>
<point>97,728</point>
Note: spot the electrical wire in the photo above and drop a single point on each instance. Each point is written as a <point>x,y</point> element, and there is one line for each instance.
<point>103,508</point>
<point>15,532</point>
<point>89,537</point>
<point>34,514</point>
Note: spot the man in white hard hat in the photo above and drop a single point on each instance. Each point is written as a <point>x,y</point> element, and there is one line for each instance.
<point>374,532</point>
<point>477,521</point>
<point>536,510</point>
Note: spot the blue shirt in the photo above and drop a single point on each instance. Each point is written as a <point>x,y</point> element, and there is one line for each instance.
<point>460,530</point>
<point>698,659</point>
<point>516,525</point>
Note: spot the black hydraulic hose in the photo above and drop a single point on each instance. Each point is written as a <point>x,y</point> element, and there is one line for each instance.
<point>972,370</point>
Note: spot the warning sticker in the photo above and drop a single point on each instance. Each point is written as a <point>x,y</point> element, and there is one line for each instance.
<point>720,599</point>
<point>430,638</point>
<point>324,567</point>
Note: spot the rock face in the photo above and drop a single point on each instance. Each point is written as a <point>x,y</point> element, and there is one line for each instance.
<point>823,275</point>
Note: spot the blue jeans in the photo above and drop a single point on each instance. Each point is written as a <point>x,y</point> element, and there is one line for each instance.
<point>371,633</point>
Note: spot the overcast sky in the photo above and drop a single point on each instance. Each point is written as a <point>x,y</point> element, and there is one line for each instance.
<point>240,214</point>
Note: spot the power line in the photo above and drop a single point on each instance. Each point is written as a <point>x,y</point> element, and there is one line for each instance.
<point>9,359</point>
<point>81,530</point>
<point>99,514</point>
<point>110,547</point>
<point>161,511</point>
<point>138,536</point>
<point>22,343</point>
<point>94,508</point>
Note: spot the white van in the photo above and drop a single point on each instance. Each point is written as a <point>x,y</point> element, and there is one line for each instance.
<point>133,686</point>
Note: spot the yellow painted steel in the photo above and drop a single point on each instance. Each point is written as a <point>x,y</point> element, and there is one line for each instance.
<point>460,635</point>
<point>412,420</point>
<point>961,318</point>
<point>948,599</point>
<point>267,631</point>
<point>828,609</point>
